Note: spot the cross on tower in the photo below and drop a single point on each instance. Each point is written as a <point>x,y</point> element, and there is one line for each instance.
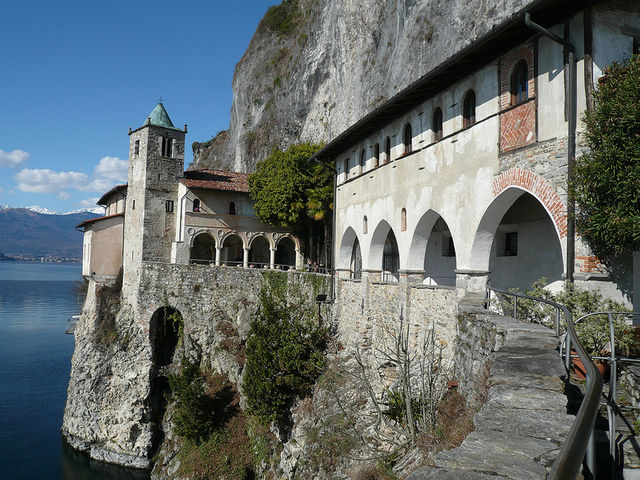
<point>160,99</point>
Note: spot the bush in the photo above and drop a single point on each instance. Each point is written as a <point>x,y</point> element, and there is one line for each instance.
<point>194,418</point>
<point>605,183</point>
<point>284,353</point>
<point>282,18</point>
<point>593,332</point>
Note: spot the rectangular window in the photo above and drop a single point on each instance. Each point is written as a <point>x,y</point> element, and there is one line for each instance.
<point>136,148</point>
<point>133,205</point>
<point>167,147</point>
<point>169,206</point>
<point>511,244</point>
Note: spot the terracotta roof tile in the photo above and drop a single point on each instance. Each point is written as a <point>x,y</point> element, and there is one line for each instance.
<point>216,180</point>
<point>97,219</point>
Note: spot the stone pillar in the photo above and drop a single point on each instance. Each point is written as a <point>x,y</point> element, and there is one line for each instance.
<point>218,255</point>
<point>272,258</point>
<point>636,281</point>
<point>245,257</point>
<point>299,260</point>
<point>411,276</point>
<point>471,284</point>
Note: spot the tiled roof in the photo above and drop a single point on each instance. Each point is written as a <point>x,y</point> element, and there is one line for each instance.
<point>105,197</point>
<point>93,220</point>
<point>216,180</point>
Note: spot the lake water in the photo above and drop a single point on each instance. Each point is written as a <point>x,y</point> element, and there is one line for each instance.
<point>36,300</point>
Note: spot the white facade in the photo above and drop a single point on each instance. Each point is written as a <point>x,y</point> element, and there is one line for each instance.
<point>477,184</point>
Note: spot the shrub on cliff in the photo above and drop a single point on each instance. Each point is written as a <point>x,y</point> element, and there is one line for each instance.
<point>194,418</point>
<point>284,353</point>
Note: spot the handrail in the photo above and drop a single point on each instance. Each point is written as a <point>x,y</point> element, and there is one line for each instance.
<point>581,438</point>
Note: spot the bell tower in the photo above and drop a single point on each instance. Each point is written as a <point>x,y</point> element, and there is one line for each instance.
<point>156,161</point>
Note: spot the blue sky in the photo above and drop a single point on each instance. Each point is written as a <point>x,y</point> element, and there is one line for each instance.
<point>76,75</point>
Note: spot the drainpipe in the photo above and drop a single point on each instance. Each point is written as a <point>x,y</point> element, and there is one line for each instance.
<point>571,93</point>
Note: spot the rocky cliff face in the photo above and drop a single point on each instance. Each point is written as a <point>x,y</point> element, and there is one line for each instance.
<point>314,67</point>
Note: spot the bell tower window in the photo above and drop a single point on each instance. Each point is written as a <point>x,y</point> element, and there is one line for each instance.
<point>167,147</point>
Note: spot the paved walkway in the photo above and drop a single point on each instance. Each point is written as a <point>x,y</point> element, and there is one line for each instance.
<point>524,421</point>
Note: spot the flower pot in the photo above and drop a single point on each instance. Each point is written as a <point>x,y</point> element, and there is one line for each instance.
<point>581,372</point>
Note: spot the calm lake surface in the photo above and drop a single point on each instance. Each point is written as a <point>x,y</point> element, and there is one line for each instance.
<point>36,300</point>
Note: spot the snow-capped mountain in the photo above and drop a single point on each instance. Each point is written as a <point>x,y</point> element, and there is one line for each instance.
<point>38,209</point>
<point>97,210</point>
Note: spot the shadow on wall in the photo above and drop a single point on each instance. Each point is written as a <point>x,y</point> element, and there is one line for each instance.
<point>525,246</point>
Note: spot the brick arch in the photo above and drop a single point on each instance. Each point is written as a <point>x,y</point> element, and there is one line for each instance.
<point>539,188</point>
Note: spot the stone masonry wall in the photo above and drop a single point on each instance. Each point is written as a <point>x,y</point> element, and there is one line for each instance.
<point>108,411</point>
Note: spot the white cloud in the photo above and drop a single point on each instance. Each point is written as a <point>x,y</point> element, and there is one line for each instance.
<point>13,158</point>
<point>88,202</point>
<point>112,168</point>
<point>44,180</point>
<point>108,171</point>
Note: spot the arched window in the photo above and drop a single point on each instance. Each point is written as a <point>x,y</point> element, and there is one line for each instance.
<point>407,138</point>
<point>232,208</point>
<point>387,150</point>
<point>390,259</point>
<point>196,205</point>
<point>403,220</point>
<point>365,226</point>
<point>469,109</point>
<point>376,154</point>
<point>362,154</point>
<point>437,124</point>
<point>519,83</point>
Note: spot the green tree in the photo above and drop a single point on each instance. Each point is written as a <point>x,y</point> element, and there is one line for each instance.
<point>290,190</point>
<point>606,184</point>
<point>284,353</point>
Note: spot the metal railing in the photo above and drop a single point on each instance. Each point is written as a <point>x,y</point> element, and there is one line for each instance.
<point>580,441</point>
<point>610,401</point>
<point>260,265</point>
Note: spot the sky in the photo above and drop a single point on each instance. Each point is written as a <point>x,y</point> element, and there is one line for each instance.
<point>75,75</point>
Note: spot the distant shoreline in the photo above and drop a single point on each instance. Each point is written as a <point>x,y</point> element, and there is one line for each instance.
<point>7,259</point>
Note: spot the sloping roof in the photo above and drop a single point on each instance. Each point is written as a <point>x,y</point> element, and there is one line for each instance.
<point>159,117</point>
<point>216,180</point>
<point>93,220</point>
<point>490,46</point>
<point>105,197</point>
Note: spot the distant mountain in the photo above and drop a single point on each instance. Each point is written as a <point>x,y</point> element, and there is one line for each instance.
<point>24,232</point>
<point>4,258</point>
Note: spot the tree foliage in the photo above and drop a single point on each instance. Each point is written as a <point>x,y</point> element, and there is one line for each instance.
<point>606,184</point>
<point>284,353</point>
<point>284,184</point>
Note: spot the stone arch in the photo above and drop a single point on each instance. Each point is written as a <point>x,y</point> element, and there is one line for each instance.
<point>376,247</point>
<point>539,188</point>
<point>259,250</point>
<point>518,240</point>
<point>432,250</point>
<point>349,237</point>
<point>286,252</point>
<point>202,247</point>
<point>232,249</point>
<point>165,329</point>
<point>293,238</point>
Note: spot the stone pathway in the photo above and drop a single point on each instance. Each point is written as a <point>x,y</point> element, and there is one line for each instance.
<point>524,422</point>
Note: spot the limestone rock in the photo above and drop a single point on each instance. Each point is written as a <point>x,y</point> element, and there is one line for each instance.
<point>343,59</point>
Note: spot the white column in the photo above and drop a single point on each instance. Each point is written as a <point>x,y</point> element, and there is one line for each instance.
<point>272,258</point>
<point>245,257</point>
<point>218,255</point>
<point>300,260</point>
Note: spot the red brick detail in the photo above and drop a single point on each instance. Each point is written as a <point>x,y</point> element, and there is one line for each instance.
<point>589,264</point>
<point>507,64</point>
<point>517,127</point>
<point>539,188</point>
